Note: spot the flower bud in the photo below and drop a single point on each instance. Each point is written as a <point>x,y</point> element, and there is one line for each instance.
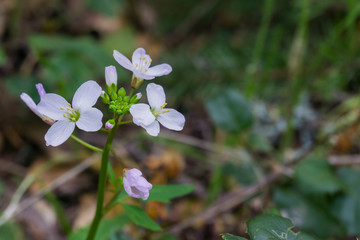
<point>136,98</point>
<point>122,92</point>
<point>110,124</point>
<point>105,97</point>
<point>110,76</point>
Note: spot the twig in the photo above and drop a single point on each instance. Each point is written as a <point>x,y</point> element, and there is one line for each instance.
<point>344,160</point>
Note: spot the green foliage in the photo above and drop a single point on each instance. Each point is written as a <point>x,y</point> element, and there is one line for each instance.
<point>68,62</point>
<point>227,236</point>
<point>310,213</point>
<point>164,193</point>
<point>139,217</point>
<point>346,206</point>
<point>230,111</point>
<point>106,229</point>
<point>108,7</point>
<point>314,175</point>
<point>273,227</point>
<point>2,56</point>
<point>11,231</point>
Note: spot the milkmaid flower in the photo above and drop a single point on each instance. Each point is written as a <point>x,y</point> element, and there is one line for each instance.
<point>32,105</point>
<point>149,117</point>
<point>136,185</point>
<point>140,65</point>
<point>80,113</point>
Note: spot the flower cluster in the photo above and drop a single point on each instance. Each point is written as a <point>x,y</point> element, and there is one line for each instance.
<point>63,116</point>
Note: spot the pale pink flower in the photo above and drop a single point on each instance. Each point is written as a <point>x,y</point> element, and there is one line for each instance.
<point>135,184</point>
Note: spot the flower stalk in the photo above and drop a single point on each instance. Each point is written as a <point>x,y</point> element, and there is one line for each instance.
<point>102,184</point>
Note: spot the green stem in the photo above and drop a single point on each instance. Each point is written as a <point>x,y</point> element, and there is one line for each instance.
<point>96,149</point>
<point>125,122</point>
<point>102,182</point>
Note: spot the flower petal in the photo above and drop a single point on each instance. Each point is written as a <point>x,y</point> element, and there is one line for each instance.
<point>50,105</point>
<point>138,53</point>
<point>110,75</point>
<point>141,114</point>
<point>156,95</point>
<point>153,129</point>
<point>86,95</point>
<point>133,173</point>
<point>123,61</point>
<point>59,132</point>
<point>142,75</point>
<point>30,103</point>
<point>40,89</point>
<point>172,120</point>
<point>159,70</point>
<point>90,120</point>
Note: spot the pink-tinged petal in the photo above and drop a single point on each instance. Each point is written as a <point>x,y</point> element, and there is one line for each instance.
<point>156,95</point>
<point>152,129</point>
<point>86,95</point>
<point>59,132</point>
<point>142,114</point>
<point>172,119</point>
<point>135,185</point>
<point>133,173</point>
<point>110,75</point>
<point>40,89</point>
<point>30,103</point>
<point>123,61</point>
<point>127,186</point>
<point>138,53</point>
<point>52,105</point>
<point>142,75</point>
<point>90,120</point>
<point>143,185</point>
<point>159,70</point>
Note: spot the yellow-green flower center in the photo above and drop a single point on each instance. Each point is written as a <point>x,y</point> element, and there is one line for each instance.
<point>70,113</point>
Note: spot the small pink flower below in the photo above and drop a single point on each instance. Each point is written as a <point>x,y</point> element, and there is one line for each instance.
<point>135,184</point>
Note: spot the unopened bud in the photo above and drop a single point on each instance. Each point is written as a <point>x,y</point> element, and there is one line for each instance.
<point>109,124</point>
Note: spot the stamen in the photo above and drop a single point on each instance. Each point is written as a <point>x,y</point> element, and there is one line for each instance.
<point>69,109</point>
<point>73,119</point>
<point>69,104</point>
<point>61,108</point>
<point>162,107</point>
<point>64,115</point>
<point>165,111</point>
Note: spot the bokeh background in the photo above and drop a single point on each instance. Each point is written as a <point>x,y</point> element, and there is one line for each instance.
<point>269,90</point>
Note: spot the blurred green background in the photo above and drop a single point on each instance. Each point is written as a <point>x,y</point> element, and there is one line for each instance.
<point>260,81</point>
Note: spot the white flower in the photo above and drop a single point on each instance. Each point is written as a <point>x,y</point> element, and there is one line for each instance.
<point>110,75</point>
<point>81,113</point>
<point>140,65</point>
<point>149,117</point>
<point>32,105</point>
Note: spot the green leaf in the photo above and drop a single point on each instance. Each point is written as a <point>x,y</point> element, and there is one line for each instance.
<point>273,227</point>
<point>139,217</point>
<point>164,193</point>
<point>2,56</point>
<point>347,205</point>
<point>11,231</point>
<point>268,226</point>
<point>314,175</point>
<point>230,111</point>
<point>227,236</point>
<point>310,213</point>
<point>107,228</point>
<point>108,7</point>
